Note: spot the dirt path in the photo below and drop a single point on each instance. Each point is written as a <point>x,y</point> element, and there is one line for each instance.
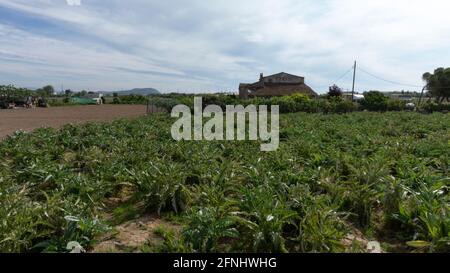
<point>31,119</point>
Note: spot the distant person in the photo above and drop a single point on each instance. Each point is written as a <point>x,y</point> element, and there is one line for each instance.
<point>29,102</point>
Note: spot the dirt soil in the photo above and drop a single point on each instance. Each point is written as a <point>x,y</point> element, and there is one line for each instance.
<point>31,119</point>
<point>133,234</point>
<point>356,236</point>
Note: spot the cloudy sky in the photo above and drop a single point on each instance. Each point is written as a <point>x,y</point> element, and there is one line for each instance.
<point>190,45</point>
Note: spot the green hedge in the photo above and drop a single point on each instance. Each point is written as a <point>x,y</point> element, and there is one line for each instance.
<point>431,107</point>
<point>375,101</point>
<point>130,99</point>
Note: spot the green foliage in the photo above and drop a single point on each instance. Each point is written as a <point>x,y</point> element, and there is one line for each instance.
<point>363,186</point>
<point>438,83</point>
<point>386,172</point>
<point>116,100</point>
<point>46,91</point>
<point>130,99</point>
<point>299,98</point>
<point>263,216</point>
<point>427,213</point>
<point>162,187</point>
<point>320,226</point>
<point>341,106</point>
<point>395,105</point>
<point>206,227</point>
<point>375,101</point>
<point>167,103</point>
<point>125,212</point>
<point>171,243</point>
<point>76,230</point>
<point>431,107</point>
<point>11,94</point>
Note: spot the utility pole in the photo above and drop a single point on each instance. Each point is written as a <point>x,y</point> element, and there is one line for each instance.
<point>354,78</point>
<point>421,95</point>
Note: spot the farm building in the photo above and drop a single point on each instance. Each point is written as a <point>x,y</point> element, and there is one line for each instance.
<point>97,97</point>
<point>356,96</point>
<point>91,98</point>
<point>406,98</point>
<point>281,84</point>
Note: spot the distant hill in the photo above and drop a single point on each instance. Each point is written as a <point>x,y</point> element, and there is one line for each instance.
<point>139,91</point>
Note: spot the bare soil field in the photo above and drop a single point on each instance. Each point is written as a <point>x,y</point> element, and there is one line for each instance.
<point>31,119</point>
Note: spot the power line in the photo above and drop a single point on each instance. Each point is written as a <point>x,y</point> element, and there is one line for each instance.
<point>389,81</point>
<point>345,74</point>
<point>338,79</point>
<point>352,68</point>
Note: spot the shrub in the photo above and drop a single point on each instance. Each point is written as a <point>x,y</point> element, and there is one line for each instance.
<point>263,217</point>
<point>343,106</point>
<point>425,214</point>
<point>320,227</point>
<point>431,107</point>
<point>116,100</point>
<point>162,192</point>
<point>335,91</point>
<point>165,103</point>
<point>395,105</point>
<point>133,99</point>
<point>170,244</point>
<point>374,101</point>
<point>299,98</point>
<point>207,226</point>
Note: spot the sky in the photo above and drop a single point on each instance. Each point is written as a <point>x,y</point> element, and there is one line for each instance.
<point>212,46</point>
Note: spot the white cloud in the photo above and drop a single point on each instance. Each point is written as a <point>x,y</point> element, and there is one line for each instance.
<point>215,45</point>
<point>73,2</point>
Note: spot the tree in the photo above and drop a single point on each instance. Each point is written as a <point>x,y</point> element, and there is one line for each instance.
<point>81,94</point>
<point>438,84</point>
<point>335,91</point>
<point>375,101</point>
<point>46,91</point>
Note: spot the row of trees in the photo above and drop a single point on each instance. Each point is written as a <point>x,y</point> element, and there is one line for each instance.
<point>48,91</point>
<point>373,100</point>
<point>437,84</point>
<point>11,92</point>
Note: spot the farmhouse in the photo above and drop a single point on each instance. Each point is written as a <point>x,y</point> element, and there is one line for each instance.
<point>281,84</point>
